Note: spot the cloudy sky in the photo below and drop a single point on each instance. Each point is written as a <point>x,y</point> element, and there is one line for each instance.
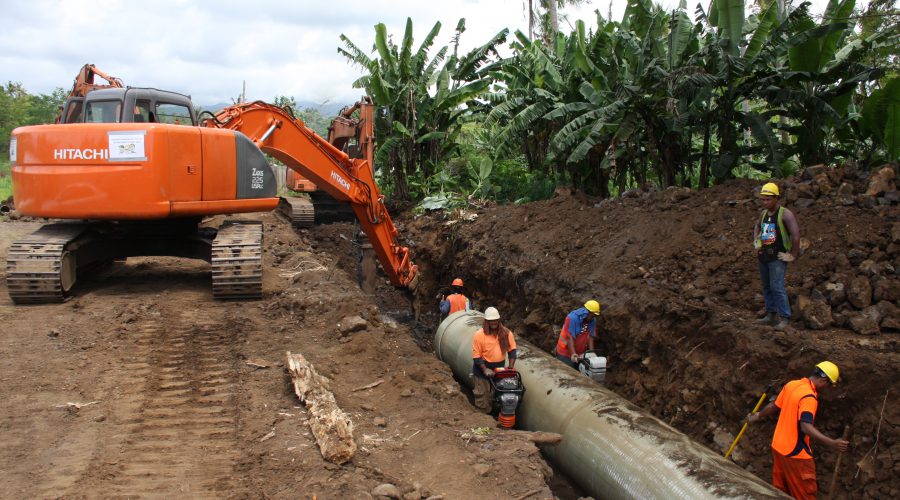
<point>208,48</point>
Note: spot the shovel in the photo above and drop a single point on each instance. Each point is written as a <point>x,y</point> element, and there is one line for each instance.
<point>837,466</point>
<point>744,428</point>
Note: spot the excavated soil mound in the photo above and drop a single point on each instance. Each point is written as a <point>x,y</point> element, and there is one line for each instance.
<point>678,276</point>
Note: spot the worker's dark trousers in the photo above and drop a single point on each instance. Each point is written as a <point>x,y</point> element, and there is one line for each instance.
<point>772,276</point>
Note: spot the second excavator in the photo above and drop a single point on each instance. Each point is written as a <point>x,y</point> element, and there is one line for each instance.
<point>353,132</point>
<point>140,172</point>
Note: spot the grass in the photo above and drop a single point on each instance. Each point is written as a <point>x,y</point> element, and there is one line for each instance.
<point>5,180</point>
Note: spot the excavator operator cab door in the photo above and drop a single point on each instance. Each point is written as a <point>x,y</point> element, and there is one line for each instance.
<point>73,110</point>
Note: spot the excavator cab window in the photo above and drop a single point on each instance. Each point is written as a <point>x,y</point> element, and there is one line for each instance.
<point>175,114</point>
<point>142,113</point>
<point>102,112</point>
<point>72,111</point>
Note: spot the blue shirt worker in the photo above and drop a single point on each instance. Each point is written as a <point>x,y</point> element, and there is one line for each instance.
<point>578,333</point>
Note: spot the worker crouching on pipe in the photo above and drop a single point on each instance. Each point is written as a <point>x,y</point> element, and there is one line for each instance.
<point>490,347</point>
<point>578,333</point>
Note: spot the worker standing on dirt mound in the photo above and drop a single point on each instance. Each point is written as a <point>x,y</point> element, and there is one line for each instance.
<point>455,300</point>
<point>776,241</point>
<point>490,347</point>
<point>793,469</point>
<point>578,333</point>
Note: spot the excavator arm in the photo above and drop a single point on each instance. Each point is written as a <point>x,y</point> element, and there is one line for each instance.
<point>279,134</point>
<point>83,84</point>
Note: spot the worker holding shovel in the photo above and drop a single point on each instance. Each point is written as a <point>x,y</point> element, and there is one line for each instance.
<point>793,469</point>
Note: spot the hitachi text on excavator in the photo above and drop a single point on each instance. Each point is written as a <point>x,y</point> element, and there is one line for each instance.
<point>132,172</point>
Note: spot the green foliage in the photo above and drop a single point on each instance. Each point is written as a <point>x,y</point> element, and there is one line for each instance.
<point>424,98</point>
<point>5,179</point>
<point>653,98</point>
<point>19,108</point>
<point>881,118</point>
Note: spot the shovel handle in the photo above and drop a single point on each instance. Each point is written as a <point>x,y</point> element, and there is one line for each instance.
<point>837,466</point>
<point>744,428</point>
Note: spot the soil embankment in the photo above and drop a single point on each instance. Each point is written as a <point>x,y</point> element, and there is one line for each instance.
<point>678,275</point>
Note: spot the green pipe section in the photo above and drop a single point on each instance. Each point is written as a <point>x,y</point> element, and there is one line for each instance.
<point>610,447</point>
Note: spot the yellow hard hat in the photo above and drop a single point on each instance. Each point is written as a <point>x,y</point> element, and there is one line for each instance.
<point>830,370</point>
<point>592,306</point>
<point>769,189</point>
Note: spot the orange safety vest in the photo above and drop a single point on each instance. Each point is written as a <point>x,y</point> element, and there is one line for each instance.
<point>458,302</point>
<point>798,402</point>
<point>581,341</point>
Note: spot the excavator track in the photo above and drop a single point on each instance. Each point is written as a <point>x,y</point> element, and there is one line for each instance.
<point>40,269</point>
<point>300,211</point>
<point>237,260</point>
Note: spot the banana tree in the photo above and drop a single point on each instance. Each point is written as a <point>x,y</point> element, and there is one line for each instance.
<point>423,97</point>
<point>824,73</point>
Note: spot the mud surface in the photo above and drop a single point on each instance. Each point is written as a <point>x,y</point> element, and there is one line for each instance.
<point>677,273</point>
<point>170,407</point>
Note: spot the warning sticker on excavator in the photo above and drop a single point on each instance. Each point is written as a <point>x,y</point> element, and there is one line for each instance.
<point>12,150</point>
<point>127,145</point>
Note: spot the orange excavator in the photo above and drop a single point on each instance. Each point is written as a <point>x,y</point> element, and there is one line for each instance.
<point>353,132</point>
<point>140,172</point>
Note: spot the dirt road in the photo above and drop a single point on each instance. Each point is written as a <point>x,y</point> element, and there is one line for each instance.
<point>169,406</point>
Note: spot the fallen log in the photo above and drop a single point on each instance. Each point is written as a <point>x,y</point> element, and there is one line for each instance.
<point>331,427</point>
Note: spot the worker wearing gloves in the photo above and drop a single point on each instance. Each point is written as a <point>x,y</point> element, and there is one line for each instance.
<point>793,469</point>
<point>578,333</point>
<point>490,347</point>
<point>776,241</point>
<point>455,300</point>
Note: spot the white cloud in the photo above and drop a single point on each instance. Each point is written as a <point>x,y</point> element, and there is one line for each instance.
<point>208,48</point>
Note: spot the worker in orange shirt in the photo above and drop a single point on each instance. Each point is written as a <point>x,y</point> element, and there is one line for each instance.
<point>578,333</point>
<point>490,347</point>
<point>455,300</point>
<point>793,469</point>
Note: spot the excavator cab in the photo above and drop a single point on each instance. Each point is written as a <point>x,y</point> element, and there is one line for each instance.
<point>131,105</point>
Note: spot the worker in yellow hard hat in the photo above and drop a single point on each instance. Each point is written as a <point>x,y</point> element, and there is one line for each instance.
<point>776,242</point>
<point>578,333</point>
<point>455,300</point>
<point>793,469</point>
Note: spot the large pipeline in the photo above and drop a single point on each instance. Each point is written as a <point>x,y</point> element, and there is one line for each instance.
<point>610,447</point>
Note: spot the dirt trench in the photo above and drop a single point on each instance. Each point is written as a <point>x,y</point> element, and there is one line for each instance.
<point>680,285</point>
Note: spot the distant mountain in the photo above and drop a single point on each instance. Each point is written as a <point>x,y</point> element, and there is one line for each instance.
<point>326,109</point>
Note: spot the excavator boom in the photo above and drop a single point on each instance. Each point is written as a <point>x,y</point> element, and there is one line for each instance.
<point>279,134</point>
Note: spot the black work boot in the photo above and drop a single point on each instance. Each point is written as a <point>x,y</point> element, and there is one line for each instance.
<point>782,323</point>
<point>769,319</point>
